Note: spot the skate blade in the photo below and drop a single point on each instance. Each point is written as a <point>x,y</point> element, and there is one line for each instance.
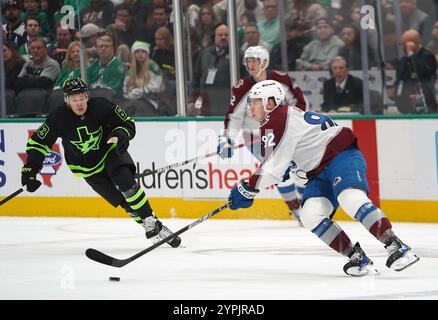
<point>406,261</point>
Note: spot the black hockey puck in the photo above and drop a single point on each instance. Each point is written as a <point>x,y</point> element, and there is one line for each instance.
<point>114,278</point>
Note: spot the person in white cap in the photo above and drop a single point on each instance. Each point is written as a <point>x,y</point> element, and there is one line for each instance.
<point>143,82</point>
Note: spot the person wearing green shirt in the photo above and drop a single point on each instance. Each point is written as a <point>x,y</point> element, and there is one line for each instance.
<point>71,67</point>
<point>107,71</point>
<point>32,8</point>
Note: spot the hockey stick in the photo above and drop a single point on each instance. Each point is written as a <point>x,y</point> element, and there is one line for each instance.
<point>11,196</point>
<point>183,163</point>
<point>100,257</point>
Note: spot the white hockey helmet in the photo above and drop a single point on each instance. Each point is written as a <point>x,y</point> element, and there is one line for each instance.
<point>267,89</point>
<point>257,52</point>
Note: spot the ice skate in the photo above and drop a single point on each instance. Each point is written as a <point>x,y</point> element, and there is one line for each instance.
<point>359,264</point>
<point>156,231</point>
<point>400,255</point>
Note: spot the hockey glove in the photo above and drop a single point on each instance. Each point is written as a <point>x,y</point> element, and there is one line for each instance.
<point>242,196</point>
<point>121,139</point>
<point>28,178</point>
<point>225,147</point>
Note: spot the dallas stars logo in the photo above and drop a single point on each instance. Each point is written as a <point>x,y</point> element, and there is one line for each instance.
<point>88,141</point>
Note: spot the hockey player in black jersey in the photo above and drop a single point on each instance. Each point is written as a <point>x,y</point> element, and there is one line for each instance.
<point>95,135</point>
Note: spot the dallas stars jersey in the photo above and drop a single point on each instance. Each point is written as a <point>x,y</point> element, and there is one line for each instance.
<point>306,142</point>
<point>84,138</point>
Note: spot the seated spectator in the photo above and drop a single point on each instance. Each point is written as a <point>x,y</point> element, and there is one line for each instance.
<point>205,26</point>
<point>13,64</point>
<point>160,18</point>
<point>342,92</point>
<point>163,53</point>
<point>318,53</point>
<point>414,90</point>
<point>143,83</point>
<point>122,26</point>
<point>107,71</point>
<point>269,27</point>
<point>41,71</point>
<point>58,49</point>
<point>122,50</point>
<point>32,9</point>
<point>253,6</point>
<point>32,31</point>
<point>88,35</point>
<point>298,35</point>
<point>252,38</point>
<point>211,78</point>
<point>413,18</point>
<point>14,26</point>
<point>351,51</point>
<point>432,46</point>
<point>98,12</point>
<point>71,66</point>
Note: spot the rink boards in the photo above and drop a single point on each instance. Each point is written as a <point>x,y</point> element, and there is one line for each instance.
<point>401,154</point>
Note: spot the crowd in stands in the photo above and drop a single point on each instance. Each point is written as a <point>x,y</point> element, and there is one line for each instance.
<point>129,57</point>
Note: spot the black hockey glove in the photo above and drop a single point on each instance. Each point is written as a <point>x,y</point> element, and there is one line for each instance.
<point>119,137</point>
<point>28,178</point>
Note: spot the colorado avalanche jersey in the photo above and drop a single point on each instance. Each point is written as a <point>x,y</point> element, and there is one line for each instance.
<point>239,117</point>
<point>304,141</point>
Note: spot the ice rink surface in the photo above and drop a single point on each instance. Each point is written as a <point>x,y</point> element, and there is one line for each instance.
<point>44,258</point>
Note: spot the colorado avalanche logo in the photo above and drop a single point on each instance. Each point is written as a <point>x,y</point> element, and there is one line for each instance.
<point>51,163</point>
<point>239,84</point>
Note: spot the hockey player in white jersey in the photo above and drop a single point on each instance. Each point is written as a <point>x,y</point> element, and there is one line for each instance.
<point>238,120</point>
<point>316,148</point>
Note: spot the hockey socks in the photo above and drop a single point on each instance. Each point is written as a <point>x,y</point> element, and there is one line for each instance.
<point>138,203</point>
<point>375,221</point>
<point>332,234</point>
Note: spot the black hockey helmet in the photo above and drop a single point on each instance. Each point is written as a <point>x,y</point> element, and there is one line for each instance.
<point>73,86</point>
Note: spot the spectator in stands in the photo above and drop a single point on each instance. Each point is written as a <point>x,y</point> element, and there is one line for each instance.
<point>32,9</point>
<point>342,92</point>
<point>13,64</point>
<point>269,27</point>
<point>351,51</point>
<point>318,53</point>
<point>41,71</point>
<point>98,12</point>
<point>58,49</point>
<point>253,38</point>
<point>107,71</point>
<point>122,25</point>
<point>71,66</point>
<point>205,26</point>
<point>14,26</point>
<point>160,18</point>
<point>414,90</point>
<point>88,35</point>
<point>122,51</point>
<point>163,53</point>
<point>212,77</point>
<point>413,18</point>
<point>253,6</point>
<point>432,46</point>
<point>143,83</point>
<point>32,31</point>
<point>298,35</point>
<point>139,10</point>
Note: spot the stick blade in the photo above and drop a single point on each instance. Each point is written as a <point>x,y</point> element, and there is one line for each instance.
<point>100,257</point>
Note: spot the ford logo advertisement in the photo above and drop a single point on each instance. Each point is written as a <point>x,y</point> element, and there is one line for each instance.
<point>52,159</point>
